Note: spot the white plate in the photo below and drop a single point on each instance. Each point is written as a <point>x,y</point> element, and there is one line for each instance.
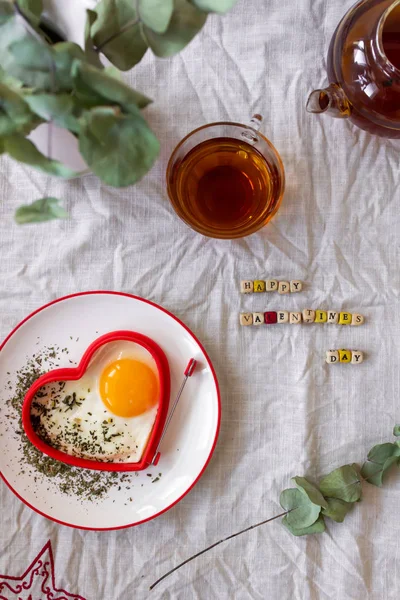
<point>190,439</point>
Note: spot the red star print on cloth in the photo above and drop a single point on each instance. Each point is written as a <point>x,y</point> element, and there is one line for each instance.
<point>37,583</point>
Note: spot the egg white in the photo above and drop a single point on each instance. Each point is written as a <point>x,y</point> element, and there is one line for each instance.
<point>101,435</point>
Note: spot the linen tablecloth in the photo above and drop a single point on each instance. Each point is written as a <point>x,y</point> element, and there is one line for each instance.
<point>285,412</point>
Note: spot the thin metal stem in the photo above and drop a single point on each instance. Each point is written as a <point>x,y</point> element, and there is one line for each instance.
<point>229,537</point>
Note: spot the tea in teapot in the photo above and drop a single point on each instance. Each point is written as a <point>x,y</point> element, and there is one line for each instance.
<point>364,69</point>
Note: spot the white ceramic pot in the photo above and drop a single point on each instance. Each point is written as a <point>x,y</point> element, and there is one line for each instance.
<point>69,17</point>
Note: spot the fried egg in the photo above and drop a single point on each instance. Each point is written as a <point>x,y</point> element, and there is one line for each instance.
<point>109,413</point>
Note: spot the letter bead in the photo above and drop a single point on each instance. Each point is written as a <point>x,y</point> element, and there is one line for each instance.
<point>270,317</point>
<point>258,318</point>
<point>320,316</point>
<point>333,317</point>
<point>246,319</point>
<point>296,286</point>
<point>283,316</point>
<point>345,356</point>
<point>357,357</point>
<point>295,317</point>
<point>344,318</point>
<point>259,286</point>
<point>246,287</point>
<point>308,315</point>
<point>357,319</point>
<point>284,287</point>
<point>271,285</point>
<point>332,356</point>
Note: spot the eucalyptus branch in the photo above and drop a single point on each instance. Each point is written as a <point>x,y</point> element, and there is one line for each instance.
<point>229,537</point>
<point>114,36</point>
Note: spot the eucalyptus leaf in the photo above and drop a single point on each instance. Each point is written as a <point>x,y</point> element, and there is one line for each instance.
<point>45,209</point>
<point>6,11</point>
<point>342,483</point>
<point>105,89</point>
<point>381,452</point>
<point>119,148</point>
<point>337,509</point>
<point>317,527</point>
<point>15,114</point>
<point>63,109</point>
<point>186,22</point>
<point>32,9</point>
<point>218,6</point>
<point>26,152</point>
<point>396,430</point>
<point>117,33</point>
<point>310,490</point>
<point>156,14</point>
<point>380,459</point>
<point>303,512</point>
<point>90,50</point>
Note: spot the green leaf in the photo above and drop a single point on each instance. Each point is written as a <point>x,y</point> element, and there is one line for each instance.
<point>396,430</point>
<point>186,22</point>
<point>1,146</point>
<point>380,459</point>
<point>117,33</point>
<point>317,527</point>
<point>24,151</point>
<point>15,115</point>
<point>381,452</point>
<point>373,473</point>
<point>45,209</point>
<point>342,483</point>
<point>119,149</point>
<point>90,50</point>
<point>337,509</point>
<point>311,491</point>
<point>32,9</point>
<point>218,6</point>
<point>105,89</point>
<point>156,14</point>
<point>63,109</point>
<point>303,512</point>
<point>6,11</point>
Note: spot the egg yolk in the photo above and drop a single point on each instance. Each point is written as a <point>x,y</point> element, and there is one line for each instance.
<point>129,387</point>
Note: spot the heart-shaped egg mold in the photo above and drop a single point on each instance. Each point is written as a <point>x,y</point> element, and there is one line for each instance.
<point>76,373</point>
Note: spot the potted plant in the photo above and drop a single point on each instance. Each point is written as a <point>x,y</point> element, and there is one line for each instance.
<point>59,83</point>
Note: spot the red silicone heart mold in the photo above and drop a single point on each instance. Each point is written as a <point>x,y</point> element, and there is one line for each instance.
<point>75,374</point>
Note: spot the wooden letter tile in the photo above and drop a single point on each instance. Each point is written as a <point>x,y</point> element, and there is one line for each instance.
<point>332,356</point>
<point>271,285</point>
<point>357,319</point>
<point>270,317</point>
<point>295,317</point>
<point>283,316</point>
<point>344,318</point>
<point>259,286</point>
<point>357,357</point>
<point>246,319</point>
<point>246,287</point>
<point>308,315</point>
<point>296,286</point>
<point>258,318</point>
<point>333,317</point>
<point>320,316</point>
<point>345,356</point>
<point>284,287</point>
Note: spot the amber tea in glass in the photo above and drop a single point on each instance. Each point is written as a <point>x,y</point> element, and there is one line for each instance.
<point>226,180</point>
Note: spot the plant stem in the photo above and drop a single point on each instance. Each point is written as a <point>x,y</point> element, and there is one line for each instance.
<point>216,544</point>
<point>112,37</point>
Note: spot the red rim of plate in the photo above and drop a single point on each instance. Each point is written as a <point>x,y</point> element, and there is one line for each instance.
<point>93,293</point>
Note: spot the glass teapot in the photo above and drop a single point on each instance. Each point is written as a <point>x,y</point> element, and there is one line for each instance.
<point>364,69</point>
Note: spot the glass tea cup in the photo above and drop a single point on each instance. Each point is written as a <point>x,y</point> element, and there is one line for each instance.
<point>226,180</point>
